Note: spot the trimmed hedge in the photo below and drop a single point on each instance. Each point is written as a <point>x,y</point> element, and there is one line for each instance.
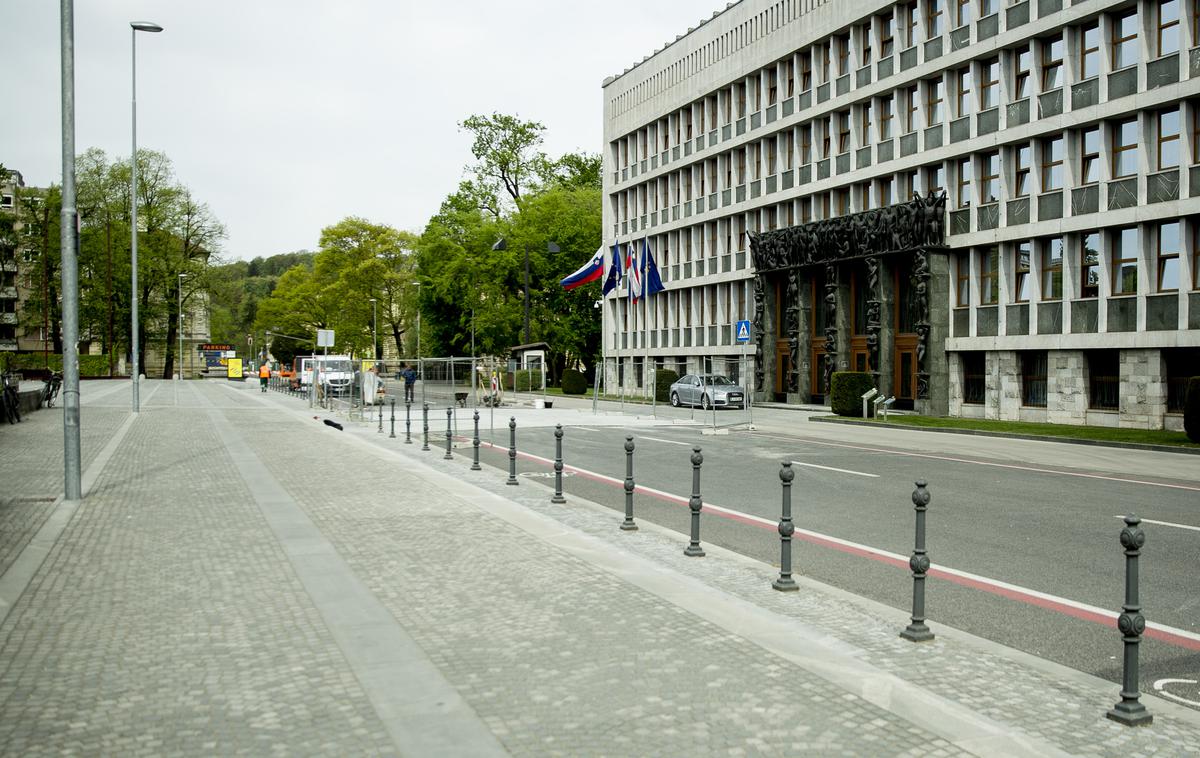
<point>846,392</point>
<point>528,380</point>
<point>663,379</point>
<point>89,365</point>
<point>573,382</point>
<point>1191,409</point>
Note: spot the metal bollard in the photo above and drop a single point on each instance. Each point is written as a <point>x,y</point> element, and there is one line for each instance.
<point>512,450</point>
<point>558,465</point>
<point>917,631</point>
<point>448,456</point>
<point>1132,623</point>
<point>628,524</point>
<point>393,419</point>
<point>785,583</point>
<point>407,422</point>
<point>475,445</point>
<point>379,406</point>
<point>425,426</point>
<point>693,549</point>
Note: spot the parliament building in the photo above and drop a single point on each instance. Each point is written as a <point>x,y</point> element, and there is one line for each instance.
<point>994,207</point>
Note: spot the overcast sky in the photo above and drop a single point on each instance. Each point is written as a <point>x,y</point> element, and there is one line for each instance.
<point>285,116</point>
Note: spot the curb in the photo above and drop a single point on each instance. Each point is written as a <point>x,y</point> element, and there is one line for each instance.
<point>1014,436</point>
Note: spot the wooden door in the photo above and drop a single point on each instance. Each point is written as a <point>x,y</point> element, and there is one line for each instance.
<point>783,361</point>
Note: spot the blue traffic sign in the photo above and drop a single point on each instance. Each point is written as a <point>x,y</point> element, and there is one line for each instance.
<point>742,331</point>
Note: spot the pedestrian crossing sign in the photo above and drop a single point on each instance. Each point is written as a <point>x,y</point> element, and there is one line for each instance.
<point>742,333</point>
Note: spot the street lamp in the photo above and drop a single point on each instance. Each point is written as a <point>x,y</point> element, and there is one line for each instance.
<point>135,27</point>
<point>181,278</point>
<point>374,330</point>
<point>501,244</point>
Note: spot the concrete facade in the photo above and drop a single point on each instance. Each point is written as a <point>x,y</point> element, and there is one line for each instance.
<point>1065,135</point>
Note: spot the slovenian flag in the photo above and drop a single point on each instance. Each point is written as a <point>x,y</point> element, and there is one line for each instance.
<point>614,271</point>
<point>588,272</point>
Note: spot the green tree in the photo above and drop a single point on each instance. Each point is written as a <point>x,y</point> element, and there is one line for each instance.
<point>507,159</point>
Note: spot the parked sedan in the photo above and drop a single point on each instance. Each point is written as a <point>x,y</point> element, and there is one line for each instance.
<point>707,390</point>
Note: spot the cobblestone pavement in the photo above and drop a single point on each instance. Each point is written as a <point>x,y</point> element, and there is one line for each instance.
<point>243,579</point>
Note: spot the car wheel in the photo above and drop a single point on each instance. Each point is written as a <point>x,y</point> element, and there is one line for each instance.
<point>704,402</point>
<point>674,399</point>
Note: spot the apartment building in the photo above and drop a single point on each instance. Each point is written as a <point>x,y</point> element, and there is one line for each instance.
<point>769,156</point>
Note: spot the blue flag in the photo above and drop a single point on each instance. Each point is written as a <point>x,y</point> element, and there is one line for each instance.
<point>614,271</point>
<point>653,280</point>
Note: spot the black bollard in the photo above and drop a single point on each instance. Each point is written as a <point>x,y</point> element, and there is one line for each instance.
<point>628,524</point>
<point>475,445</point>
<point>449,438</point>
<point>785,583</point>
<point>380,407</point>
<point>393,420</point>
<point>693,549</point>
<point>512,450</point>
<point>558,465</point>
<point>1132,623</point>
<point>407,422</point>
<point>917,631</point>
<point>425,426</point>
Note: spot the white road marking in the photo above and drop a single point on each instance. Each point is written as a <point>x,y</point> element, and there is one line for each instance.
<point>839,470</point>
<point>669,442</point>
<point>1166,523</point>
<point>1158,687</point>
<point>988,463</point>
<point>585,428</point>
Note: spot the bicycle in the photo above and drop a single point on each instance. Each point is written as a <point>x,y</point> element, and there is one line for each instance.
<point>11,401</point>
<point>51,385</point>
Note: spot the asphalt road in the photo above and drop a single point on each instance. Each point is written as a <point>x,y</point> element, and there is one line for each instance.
<point>1041,516</point>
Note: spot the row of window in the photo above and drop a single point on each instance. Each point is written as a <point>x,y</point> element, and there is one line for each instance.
<point>763,89</point>
<point>1034,268</point>
<point>707,305</point>
<point>1102,376</point>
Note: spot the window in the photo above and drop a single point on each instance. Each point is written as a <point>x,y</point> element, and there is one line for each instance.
<point>865,114</point>
<point>843,54</point>
<point>934,95</point>
<point>963,280</point>
<point>1124,39</point>
<point>963,195</point>
<point>1124,261</point>
<point>989,182</point>
<point>864,37</point>
<point>933,18</point>
<point>887,41</point>
<point>1052,164</point>
<point>1089,51</point>
<point>806,144</point>
<point>1021,272</point>
<point>935,179</point>
<point>973,368</point>
<point>989,266</point>
<point>826,135</point>
<point>1022,160</point>
<point>908,23</point>
<point>1196,127</point>
<point>908,184</point>
<point>885,118</point>
<point>824,61</point>
<point>1023,65</point>
<point>1089,265</point>
<point>6,201</point>
<point>1181,365</point>
<point>843,126</point>
<point>1089,164</point>
<point>1168,139</point>
<point>1104,379</point>
<point>989,84</point>
<point>885,191</point>
<point>986,8</point>
<point>912,103</point>
<point>1052,61</point>
<point>962,102</point>
<point>1170,242</point>
<point>1033,378</point>
<point>1124,148</point>
<point>806,71</point>
<point>962,12</point>
<point>1052,262</point>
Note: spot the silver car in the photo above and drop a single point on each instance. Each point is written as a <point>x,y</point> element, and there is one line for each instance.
<point>707,390</point>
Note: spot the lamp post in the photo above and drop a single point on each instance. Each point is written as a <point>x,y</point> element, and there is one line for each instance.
<point>501,244</point>
<point>374,330</point>
<point>181,278</point>
<point>135,27</point>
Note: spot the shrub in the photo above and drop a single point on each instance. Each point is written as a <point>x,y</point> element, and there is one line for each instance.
<point>573,382</point>
<point>528,380</point>
<point>35,364</point>
<point>1191,409</point>
<point>847,390</point>
<point>663,379</point>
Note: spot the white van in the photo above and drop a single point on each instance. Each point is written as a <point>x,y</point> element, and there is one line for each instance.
<point>336,372</point>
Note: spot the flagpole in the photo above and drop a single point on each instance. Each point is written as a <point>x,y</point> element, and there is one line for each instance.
<point>646,331</point>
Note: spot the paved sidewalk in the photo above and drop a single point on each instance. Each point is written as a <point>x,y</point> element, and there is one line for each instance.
<point>242,579</point>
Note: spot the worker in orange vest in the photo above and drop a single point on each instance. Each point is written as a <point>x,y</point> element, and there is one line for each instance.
<point>264,375</point>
